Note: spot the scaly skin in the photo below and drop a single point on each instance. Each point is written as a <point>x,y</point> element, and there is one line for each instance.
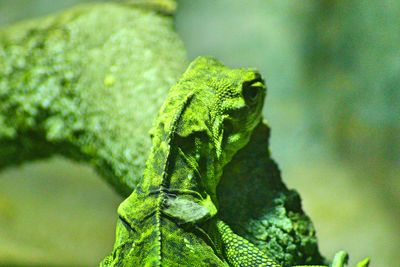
<point>241,253</point>
<point>170,218</point>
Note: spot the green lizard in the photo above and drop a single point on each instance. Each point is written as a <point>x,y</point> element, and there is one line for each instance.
<point>170,218</point>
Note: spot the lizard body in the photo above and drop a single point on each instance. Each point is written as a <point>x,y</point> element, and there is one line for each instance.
<point>170,218</point>
<point>200,127</point>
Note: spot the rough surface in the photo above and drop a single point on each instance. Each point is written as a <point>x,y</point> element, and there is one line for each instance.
<point>65,90</point>
<point>265,211</point>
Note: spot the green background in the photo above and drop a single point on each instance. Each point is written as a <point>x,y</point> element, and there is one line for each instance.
<point>333,74</point>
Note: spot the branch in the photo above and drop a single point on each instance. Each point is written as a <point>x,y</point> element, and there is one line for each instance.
<point>86,96</point>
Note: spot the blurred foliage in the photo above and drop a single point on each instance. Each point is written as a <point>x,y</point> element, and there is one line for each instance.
<point>55,213</point>
<point>332,69</point>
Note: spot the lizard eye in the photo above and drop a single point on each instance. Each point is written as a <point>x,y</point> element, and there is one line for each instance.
<point>252,90</point>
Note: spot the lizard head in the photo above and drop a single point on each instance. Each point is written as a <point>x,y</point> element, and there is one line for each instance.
<point>233,101</point>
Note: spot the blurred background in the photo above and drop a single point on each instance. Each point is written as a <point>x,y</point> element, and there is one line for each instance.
<point>333,74</point>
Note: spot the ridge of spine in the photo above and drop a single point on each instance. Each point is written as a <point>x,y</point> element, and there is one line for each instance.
<point>161,195</point>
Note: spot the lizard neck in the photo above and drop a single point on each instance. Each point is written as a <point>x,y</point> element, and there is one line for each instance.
<point>172,156</point>
<point>178,180</point>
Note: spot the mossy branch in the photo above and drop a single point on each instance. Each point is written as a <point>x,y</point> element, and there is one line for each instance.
<point>66,90</point>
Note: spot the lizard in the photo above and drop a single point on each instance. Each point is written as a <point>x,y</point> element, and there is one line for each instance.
<point>170,217</point>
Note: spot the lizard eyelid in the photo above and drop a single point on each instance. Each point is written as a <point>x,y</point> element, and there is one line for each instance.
<point>251,93</point>
<point>252,89</point>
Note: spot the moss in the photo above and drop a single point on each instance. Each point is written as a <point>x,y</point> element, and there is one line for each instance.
<point>258,206</point>
<point>61,84</point>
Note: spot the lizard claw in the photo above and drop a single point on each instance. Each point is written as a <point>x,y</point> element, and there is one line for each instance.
<point>363,263</point>
<point>341,258</point>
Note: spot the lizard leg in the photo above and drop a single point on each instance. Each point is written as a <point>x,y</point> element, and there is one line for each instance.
<point>363,263</point>
<point>341,258</point>
<point>238,251</point>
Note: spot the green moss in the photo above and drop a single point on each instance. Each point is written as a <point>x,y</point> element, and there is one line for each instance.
<point>62,84</point>
<point>259,207</point>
